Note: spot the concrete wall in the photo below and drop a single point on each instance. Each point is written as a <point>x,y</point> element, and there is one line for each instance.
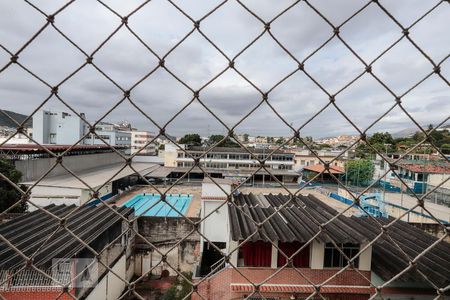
<point>110,286</point>
<point>436,179</point>
<point>34,169</point>
<point>57,127</point>
<point>164,233</point>
<point>216,227</point>
<point>211,190</point>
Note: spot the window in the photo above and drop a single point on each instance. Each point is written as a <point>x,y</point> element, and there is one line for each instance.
<point>335,259</point>
<point>256,254</point>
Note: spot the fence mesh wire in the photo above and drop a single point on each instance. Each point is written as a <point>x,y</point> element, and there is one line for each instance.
<point>232,64</point>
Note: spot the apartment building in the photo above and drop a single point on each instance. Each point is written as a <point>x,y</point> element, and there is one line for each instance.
<point>232,163</point>
<point>304,158</point>
<point>111,134</point>
<point>57,127</point>
<point>139,140</point>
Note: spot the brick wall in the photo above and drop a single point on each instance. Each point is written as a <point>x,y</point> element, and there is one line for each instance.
<point>35,295</point>
<point>218,286</point>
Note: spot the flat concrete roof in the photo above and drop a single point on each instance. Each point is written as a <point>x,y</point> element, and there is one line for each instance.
<point>161,172</point>
<point>96,176</point>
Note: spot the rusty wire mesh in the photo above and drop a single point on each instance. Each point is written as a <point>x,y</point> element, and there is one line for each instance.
<point>232,65</point>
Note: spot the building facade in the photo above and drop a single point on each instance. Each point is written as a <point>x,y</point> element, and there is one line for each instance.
<point>140,139</point>
<point>111,134</point>
<point>304,158</point>
<point>57,127</point>
<point>233,163</point>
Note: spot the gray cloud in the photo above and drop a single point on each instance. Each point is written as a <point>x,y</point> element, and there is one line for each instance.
<point>195,61</point>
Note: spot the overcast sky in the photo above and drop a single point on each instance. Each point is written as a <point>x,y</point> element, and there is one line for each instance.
<point>195,61</point>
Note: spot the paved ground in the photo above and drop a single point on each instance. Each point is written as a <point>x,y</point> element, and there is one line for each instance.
<point>439,211</point>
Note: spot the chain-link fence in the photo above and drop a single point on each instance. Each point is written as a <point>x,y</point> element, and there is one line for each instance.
<point>360,250</point>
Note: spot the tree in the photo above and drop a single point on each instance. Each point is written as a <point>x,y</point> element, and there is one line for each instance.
<point>192,139</point>
<point>359,171</point>
<point>246,137</point>
<point>216,138</point>
<point>279,141</point>
<point>381,141</point>
<point>8,194</point>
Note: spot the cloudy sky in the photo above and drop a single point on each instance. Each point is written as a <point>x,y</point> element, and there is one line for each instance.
<point>161,26</point>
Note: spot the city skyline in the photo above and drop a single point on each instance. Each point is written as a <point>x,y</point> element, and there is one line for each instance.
<point>196,61</point>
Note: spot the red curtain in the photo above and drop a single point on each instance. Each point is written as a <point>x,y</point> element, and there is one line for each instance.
<point>257,254</point>
<point>301,260</point>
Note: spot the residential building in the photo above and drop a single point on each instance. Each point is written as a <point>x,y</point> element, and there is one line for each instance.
<point>111,134</point>
<point>305,158</point>
<point>57,127</point>
<point>57,253</point>
<point>267,255</point>
<point>341,140</point>
<point>233,163</point>
<point>140,139</point>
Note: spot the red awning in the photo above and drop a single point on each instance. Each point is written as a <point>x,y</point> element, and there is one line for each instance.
<point>304,289</point>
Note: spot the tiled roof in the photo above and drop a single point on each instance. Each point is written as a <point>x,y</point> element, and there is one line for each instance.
<point>427,168</point>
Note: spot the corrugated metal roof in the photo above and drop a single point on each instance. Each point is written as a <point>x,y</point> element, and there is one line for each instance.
<point>38,229</point>
<point>298,221</point>
<point>388,259</point>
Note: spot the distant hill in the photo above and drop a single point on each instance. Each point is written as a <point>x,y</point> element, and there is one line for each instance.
<point>5,121</point>
<point>408,132</point>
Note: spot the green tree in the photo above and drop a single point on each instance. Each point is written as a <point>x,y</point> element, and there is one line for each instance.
<point>279,141</point>
<point>246,137</point>
<point>359,172</point>
<point>191,139</point>
<point>8,194</point>
<point>381,141</point>
<point>216,138</point>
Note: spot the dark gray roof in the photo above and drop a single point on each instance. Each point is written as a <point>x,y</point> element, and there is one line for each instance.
<point>32,230</point>
<point>388,260</point>
<point>299,221</point>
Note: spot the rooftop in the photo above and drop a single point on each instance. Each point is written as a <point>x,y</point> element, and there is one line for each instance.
<point>95,177</point>
<point>388,254</point>
<point>30,231</point>
<point>34,148</point>
<point>298,221</point>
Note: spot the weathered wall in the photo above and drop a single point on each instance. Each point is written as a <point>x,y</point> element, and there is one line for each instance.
<point>164,233</point>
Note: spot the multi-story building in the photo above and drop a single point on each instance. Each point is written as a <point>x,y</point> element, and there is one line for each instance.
<point>57,127</point>
<point>233,163</point>
<point>139,140</point>
<point>111,134</point>
<point>304,158</point>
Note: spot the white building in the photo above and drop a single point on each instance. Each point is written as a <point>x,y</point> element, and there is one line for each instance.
<point>110,134</point>
<point>140,139</point>
<point>57,127</point>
